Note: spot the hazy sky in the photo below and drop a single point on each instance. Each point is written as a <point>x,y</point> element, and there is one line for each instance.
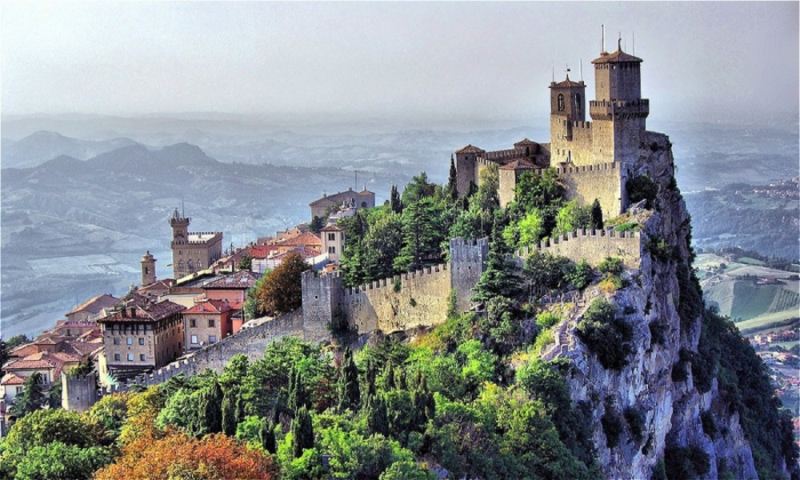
<point>427,60</point>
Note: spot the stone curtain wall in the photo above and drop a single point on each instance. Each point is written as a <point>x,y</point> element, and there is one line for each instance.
<point>604,182</point>
<point>250,342</point>
<point>405,301</point>
<point>78,393</point>
<point>467,262</point>
<point>594,246</point>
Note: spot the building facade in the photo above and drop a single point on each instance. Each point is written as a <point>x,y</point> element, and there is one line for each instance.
<point>192,251</point>
<point>141,334</point>
<point>206,323</point>
<point>322,207</point>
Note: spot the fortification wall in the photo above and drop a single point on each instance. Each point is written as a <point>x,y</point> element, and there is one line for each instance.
<point>405,301</point>
<point>593,246</point>
<point>250,342</point>
<point>78,393</point>
<point>604,182</point>
<point>467,263</point>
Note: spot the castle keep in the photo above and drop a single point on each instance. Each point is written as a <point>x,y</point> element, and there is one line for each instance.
<point>592,158</point>
<point>192,251</point>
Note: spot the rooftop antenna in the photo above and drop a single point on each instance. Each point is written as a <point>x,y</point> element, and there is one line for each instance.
<point>633,41</point>
<point>554,74</point>
<point>581,68</point>
<point>619,41</point>
<point>183,210</point>
<point>355,185</point>
<point>603,29</point>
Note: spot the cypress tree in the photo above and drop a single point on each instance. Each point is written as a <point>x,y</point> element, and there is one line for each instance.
<point>32,397</point>
<point>388,377</point>
<point>267,435</point>
<point>452,181</point>
<point>240,414</point>
<point>302,432</point>
<point>229,414</point>
<point>370,376</point>
<point>377,420</point>
<point>212,409</point>
<point>400,378</point>
<point>297,392</point>
<point>394,200</point>
<point>500,277</point>
<point>597,215</point>
<point>349,394</point>
<point>424,404</point>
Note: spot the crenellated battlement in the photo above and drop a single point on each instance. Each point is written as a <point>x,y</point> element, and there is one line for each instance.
<point>591,245</point>
<point>571,169</point>
<point>404,280</point>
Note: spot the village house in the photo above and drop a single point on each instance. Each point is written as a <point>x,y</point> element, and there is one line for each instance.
<point>92,308</point>
<point>322,207</point>
<point>141,334</point>
<point>206,323</point>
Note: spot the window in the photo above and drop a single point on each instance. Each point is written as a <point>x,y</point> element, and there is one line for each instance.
<point>20,389</point>
<point>130,357</point>
<point>130,340</point>
<point>211,322</point>
<point>141,340</point>
<point>577,101</point>
<point>194,339</point>
<point>116,341</point>
<point>141,357</point>
<point>116,357</point>
<point>212,339</point>
<point>363,204</point>
<point>332,249</point>
<point>331,237</point>
<point>560,102</point>
<point>192,323</point>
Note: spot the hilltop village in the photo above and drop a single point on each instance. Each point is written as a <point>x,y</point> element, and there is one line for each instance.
<point>608,304</point>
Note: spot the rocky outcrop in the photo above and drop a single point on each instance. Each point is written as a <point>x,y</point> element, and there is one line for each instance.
<point>669,406</point>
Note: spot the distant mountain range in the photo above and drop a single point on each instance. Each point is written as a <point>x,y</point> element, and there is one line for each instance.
<point>41,146</point>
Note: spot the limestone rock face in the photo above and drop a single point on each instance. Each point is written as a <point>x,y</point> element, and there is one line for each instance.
<point>671,409</point>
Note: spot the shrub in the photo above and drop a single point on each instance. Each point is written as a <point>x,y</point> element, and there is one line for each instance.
<point>546,320</point>
<point>544,339</point>
<point>611,266</point>
<point>627,227</point>
<point>660,249</point>
<point>709,425</point>
<point>610,284</point>
<point>635,419</point>
<point>685,462</point>
<point>642,188</point>
<point>544,271</point>
<point>581,275</point>
<point>605,335</point>
<point>612,426</point>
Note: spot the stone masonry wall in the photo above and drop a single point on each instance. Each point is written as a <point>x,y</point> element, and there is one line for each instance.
<point>406,301</point>
<point>593,246</point>
<point>604,182</point>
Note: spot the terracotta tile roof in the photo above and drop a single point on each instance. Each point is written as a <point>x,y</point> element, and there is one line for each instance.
<point>146,310</point>
<point>241,280</point>
<point>262,251</point>
<point>209,306</point>
<point>304,239</point>
<point>158,285</point>
<point>25,364</point>
<point>471,149</point>
<point>332,228</point>
<point>616,57</point>
<point>12,379</point>
<point>21,351</point>
<point>520,164</point>
<point>95,304</point>
<point>305,252</point>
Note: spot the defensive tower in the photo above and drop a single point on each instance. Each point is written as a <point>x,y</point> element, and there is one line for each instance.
<point>148,269</point>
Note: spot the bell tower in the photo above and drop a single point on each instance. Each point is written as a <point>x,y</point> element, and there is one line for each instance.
<point>148,269</point>
<point>567,106</point>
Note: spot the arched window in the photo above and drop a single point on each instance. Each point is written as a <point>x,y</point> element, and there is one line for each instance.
<point>191,265</point>
<point>363,204</point>
<point>560,102</point>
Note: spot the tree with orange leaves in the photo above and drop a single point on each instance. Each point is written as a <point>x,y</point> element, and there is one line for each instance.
<point>281,292</point>
<point>177,455</point>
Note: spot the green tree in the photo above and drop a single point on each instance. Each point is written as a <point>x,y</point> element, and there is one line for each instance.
<point>377,421</point>
<point>417,189</point>
<point>32,397</point>
<point>406,470</point>
<point>597,216</point>
<point>571,217</point>
<point>245,262</point>
<point>302,432</point>
<point>349,394</point>
<point>381,245</point>
<point>501,277</point>
<point>394,200</point>
<point>54,395</point>
<point>229,413</point>
<point>212,408</point>
<point>538,190</point>
<point>58,461</point>
<point>452,181</point>
<point>317,224</point>
<point>422,235</point>
<point>266,435</point>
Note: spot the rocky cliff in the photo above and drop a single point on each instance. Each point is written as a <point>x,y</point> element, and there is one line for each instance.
<point>657,404</point>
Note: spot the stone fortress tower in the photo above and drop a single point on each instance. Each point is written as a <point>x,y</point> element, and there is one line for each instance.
<point>590,157</point>
<point>148,269</point>
<point>192,251</point>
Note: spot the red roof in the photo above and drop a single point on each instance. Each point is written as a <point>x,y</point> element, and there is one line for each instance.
<point>12,379</point>
<point>471,149</point>
<point>96,304</point>
<point>241,280</point>
<point>209,306</point>
<point>302,240</point>
<point>145,310</point>
<point>332,228</point>
<point>262,251</point>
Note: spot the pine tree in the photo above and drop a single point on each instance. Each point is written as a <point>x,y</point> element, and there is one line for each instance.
<point>212,409</point>
<point>452,181</point>
<point>388,377</point>
<point>377,421</point>
<point>369,378</point>
<point>424,404</point>
<point>302,432</point>
<point>422,235</point>
<point>267,435</point>
<point>597,215</point>
<point>394,200</point>
<point>349,394</point>
<point>297,392</point>
<point>229,413</point>
<point>32,397</point>
<point>500,277</point>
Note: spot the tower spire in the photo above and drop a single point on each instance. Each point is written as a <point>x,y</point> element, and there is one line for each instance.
<point>603,41</point>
